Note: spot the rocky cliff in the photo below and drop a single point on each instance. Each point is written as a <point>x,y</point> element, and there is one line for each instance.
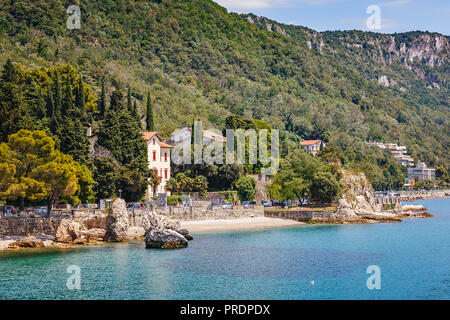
<point>358,200</point>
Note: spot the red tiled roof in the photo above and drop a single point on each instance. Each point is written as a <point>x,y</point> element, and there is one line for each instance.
<point>309,142</point>
<point>165,145</point>
<point>149,134</point>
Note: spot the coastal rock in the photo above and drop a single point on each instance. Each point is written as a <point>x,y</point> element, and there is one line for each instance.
<point>68,231</point>
<point>117,222</point>
<point>164,239</point>
<point>152,221</point>
<point>94,234</point>
<point>135,233</point>
<point>358,200</point>
<point>185,233</point>
<point>97,221</point>
<point>27,242</point>
<point>159,222</point>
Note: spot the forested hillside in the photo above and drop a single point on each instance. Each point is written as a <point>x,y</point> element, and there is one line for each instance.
<point>198,60</point>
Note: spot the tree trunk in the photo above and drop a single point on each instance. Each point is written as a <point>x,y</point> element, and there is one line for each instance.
<point>22,204</point>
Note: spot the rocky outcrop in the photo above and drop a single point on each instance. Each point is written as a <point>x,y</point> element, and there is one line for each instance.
<point>69,231</point>
<point>164,233</point>
<point>97,221</point>
<point>164,239</point>
<point>159,222</point>
<point>136,233</point>
<point>117,223</point>
<point>28,242</point>
<point>185,233</point>
<point>94,234</point>
<point>358,202</point>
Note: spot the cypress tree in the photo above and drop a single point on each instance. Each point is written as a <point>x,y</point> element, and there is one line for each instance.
<point>136,115</point>
<point>14,112</point>
<point>68,99</point>
<point>81,100</point>
<point>129,102</point>
<point>57,96</point>
<point>102,108</point>
<point>149,120</point>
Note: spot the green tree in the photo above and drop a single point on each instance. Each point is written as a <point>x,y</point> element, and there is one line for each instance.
<point>324,187</point>
<point>35,170</point>
<point>150,124</point>
<point>102,104</point>
<point>105,175</point>
<point>14,112</point>
<point>246,188</point>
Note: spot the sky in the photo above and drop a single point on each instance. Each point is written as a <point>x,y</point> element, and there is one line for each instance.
<point>322,15</point>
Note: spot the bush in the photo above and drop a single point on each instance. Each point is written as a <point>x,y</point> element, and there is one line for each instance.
<point>174,200</point>
<point>246,188</point>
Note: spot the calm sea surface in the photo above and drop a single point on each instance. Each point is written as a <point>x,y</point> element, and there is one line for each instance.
<point>414,258</point>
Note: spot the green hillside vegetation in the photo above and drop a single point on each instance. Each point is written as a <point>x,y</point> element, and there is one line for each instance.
<point>198,61</point>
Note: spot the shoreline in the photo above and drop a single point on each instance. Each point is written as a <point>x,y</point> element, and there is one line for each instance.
<point>238,224</point>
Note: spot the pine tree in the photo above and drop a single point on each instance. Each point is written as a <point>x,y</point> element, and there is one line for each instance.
<point>149,120</point>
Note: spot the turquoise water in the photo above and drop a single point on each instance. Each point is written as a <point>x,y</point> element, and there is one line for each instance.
<point>414,258</point>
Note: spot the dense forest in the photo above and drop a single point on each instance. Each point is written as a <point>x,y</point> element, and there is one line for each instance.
<point>193,59</point>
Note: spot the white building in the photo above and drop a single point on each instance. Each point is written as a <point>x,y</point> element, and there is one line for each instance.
<point>158,160</point>
<point>399,153</point>
<point>422,172</point>
<point>184,136</point>
<point>312,146</point>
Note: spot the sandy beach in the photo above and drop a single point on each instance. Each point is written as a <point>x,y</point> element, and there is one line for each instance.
<point>237,224</point>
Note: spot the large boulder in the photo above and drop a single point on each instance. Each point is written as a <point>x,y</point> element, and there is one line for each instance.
<point>159,222</point>
<point>94,234</point>
<point>27,242</point>
<point>136,233</point>
<point>68,231</point>
<point>185,233</point>
<point>97,221</point>
<point>117,223</point>
<point>164,239</point>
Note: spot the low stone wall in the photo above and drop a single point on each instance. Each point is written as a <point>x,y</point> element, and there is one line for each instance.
<point>300,215</point>
<point>22,226</point>
<point>200,213</point>
<point>34,225</point>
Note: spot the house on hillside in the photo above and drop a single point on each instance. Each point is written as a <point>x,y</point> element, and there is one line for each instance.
<point>183,136</point>
<point>158,160</point>
<point>422,172</point>
<point>312,146</point>
<point>399,153</point>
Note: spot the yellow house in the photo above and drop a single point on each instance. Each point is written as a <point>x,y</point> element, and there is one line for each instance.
<point>158,160</point>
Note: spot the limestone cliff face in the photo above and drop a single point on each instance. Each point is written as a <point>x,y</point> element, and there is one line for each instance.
<point>419,52</point>
<point>358,199</point>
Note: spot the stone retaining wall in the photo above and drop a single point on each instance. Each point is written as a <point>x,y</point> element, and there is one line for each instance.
<point>300,215</point>
<point>33,225</point>
<point>200,213</point>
